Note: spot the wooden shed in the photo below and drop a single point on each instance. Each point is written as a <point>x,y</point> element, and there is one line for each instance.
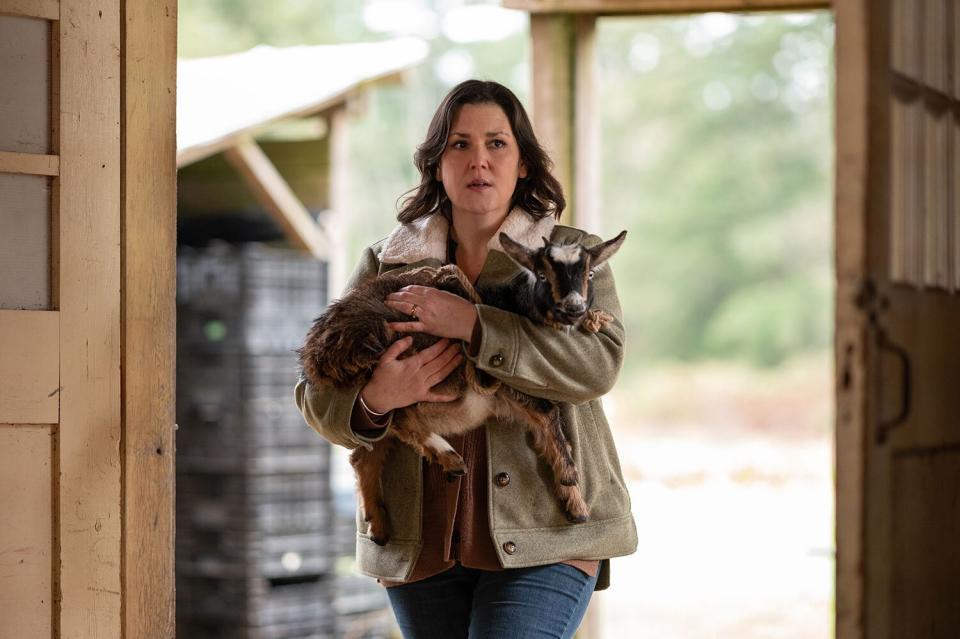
<point>87,238</point>
<point>266,131</point>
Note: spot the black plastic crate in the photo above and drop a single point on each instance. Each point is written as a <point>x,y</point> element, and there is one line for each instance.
<point>251,298</point>
<point>270,517</point>
<point>283,607</point>
<point>216,428</point>
<point>236,553</point>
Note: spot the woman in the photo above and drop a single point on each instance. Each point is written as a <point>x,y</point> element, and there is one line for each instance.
<point>490,554</point>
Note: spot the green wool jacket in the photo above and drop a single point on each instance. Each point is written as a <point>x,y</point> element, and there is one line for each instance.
<point>569,367</point>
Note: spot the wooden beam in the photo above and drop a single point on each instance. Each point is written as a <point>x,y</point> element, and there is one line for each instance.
<point>88,461</point>
<point>639,7</point>
<point>586,123</point>
<point>29,163</point>
<point>851,348</point>
<point>553,102</point>
<point>273,192</point>
<point>42,9</point>
<point>335,223</point>
<point>149,244</point>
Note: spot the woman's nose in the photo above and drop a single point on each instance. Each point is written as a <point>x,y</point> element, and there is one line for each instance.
<point>480,159</point>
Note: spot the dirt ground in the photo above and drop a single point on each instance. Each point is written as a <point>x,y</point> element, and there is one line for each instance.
<point>730,472</point>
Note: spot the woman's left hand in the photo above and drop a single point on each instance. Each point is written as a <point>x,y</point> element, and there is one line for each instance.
<point>435,312</point>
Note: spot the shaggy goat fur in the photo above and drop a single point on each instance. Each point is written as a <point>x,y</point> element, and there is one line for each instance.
<point>345,344</point>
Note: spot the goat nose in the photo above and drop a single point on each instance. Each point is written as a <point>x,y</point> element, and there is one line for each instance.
<point>574,308</point>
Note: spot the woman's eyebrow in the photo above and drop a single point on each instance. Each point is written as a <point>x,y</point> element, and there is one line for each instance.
<point>490,134</point>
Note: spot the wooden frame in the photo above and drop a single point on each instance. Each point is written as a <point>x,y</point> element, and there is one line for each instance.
<point>660,7</point>
<point>850,348</point>
<point>41,9</point>
<point>89,524</point>
<point>149,214</point>
<point>29,163</point>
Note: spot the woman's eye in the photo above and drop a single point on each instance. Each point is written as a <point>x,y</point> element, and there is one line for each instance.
<point>460,144</point>
<point>499,144</point>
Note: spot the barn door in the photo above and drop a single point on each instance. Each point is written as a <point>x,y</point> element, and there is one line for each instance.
<point>60,497</point>
<point>898,319</point>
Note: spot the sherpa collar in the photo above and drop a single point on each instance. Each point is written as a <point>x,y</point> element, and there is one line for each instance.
<point>426,237</point>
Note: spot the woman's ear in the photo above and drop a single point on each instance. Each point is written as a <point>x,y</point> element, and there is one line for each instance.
<point>523,170</point>
<point>437,175</point>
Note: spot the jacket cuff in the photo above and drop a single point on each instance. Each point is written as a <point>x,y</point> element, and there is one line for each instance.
<point>495,349</point>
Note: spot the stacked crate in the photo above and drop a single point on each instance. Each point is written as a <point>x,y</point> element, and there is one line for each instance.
<point>254,548</point>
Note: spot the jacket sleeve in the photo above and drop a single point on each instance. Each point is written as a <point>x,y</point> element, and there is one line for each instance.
<point>327,409</point>
<point>560,365</point>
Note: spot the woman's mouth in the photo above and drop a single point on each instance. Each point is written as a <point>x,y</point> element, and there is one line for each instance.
<point>478,185</point>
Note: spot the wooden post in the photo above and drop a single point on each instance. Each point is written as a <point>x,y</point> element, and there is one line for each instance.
<point>553,109</point>
<point>564,112</point>
<point>149,218</point>
<point>586,118</point>
<point>335,224</point>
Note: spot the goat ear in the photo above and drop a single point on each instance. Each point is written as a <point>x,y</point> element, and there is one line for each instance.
<point>517,252</point>
<point>603,252</point>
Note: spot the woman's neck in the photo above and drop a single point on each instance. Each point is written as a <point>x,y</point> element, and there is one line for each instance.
<point>472,234</point>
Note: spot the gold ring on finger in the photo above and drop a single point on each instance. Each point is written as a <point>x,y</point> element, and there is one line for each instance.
<point>413,312</point>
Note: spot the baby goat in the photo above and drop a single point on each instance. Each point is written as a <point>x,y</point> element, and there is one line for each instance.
<point>345,343</point>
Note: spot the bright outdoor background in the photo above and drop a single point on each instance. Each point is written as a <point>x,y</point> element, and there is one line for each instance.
<point>717,151</point>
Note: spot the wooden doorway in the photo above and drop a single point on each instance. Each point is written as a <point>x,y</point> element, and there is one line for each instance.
<point>897,225</point>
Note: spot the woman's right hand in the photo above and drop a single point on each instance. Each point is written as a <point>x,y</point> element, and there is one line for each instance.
<point>396,383</point>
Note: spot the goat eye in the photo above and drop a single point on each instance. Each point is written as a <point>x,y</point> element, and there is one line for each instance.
<point>542,276</point>
<point>590,275</point>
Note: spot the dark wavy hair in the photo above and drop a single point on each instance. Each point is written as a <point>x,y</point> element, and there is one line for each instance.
<point>539,193</point>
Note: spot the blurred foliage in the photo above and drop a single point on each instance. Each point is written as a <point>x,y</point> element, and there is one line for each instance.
<point>716,151</point>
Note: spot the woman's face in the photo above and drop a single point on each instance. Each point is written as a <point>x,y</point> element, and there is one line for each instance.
<point>481,162</point>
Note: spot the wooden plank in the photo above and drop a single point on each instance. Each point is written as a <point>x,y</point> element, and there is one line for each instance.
<point>852,104</point>
<point>29,367</point>
<point>337,221</point>
<point>553,99</point>
<point>90,433</point>
<point>637,7</point>
<point>926,558</point>
<point>29,163</point>
<point>26,536</point>
<point>272,191</point>
<point>43,9</point>
<point>586,122</point>
<point>149,210</point>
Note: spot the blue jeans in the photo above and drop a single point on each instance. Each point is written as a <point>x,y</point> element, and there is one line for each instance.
<point>518,603</point>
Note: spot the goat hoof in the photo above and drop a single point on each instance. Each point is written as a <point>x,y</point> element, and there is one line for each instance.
<point>380,541</point>
<point>577,519</point>
<point>454,475</point>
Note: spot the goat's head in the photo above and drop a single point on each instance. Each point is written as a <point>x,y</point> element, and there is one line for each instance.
<point>561,275</point>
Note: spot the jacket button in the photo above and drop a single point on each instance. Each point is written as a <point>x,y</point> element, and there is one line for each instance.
<point>496,360</point>
<point>503,479</point>
<point>509,548</point>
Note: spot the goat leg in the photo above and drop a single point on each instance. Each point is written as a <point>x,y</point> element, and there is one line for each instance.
<point>542,419</point>
<point>368,466</point>
<point>434,447</point>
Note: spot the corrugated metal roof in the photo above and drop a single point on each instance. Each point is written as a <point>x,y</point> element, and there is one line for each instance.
<point>224,96</point>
